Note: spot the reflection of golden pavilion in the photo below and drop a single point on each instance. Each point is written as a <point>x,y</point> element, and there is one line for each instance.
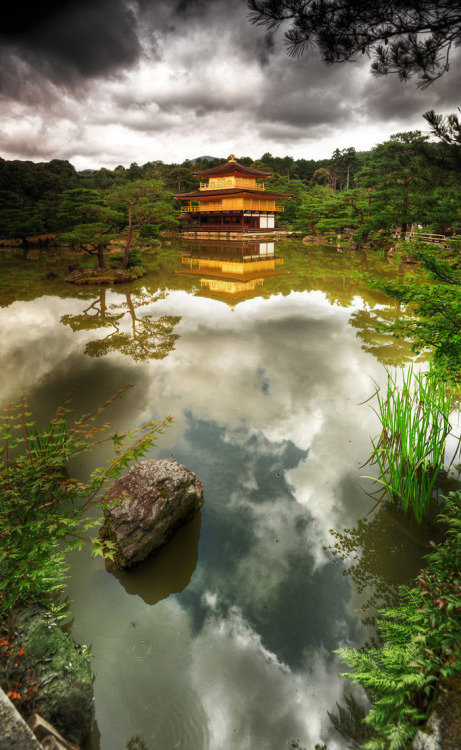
<point>230,268</point>
<point>231,287</point>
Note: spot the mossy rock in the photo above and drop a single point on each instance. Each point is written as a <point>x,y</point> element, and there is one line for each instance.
<point>49,672</point>
<point>104,276</point>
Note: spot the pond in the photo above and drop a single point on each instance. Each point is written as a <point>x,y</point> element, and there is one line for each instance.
<point>264,355</point>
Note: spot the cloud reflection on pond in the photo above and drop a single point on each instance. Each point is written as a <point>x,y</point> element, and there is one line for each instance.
<point>266,400</point>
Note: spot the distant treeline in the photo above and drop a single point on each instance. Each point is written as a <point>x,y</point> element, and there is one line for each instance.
<point>399,182</point>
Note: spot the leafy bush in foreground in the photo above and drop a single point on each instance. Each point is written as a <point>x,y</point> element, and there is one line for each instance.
<point>44,513</point>
<point>422,642</point>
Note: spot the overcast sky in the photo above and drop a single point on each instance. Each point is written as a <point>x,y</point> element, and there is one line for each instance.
<point>108,82</point>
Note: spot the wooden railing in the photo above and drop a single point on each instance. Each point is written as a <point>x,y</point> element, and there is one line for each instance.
<point>435,239</point>
<point>230,183</point>
<point>218,207</point>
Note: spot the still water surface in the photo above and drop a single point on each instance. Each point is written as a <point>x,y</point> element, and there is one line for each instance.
<point>264,357</point>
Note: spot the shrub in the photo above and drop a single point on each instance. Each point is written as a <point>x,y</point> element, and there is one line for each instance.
<point>422,642</point>
<point>44,513</point>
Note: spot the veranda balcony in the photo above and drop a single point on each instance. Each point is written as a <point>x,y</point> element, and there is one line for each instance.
<point>231,183</point>
<point>190,209</point>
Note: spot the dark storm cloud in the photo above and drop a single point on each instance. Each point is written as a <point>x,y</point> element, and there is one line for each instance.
<point>301,95</point>
<point>198,100</point>
<point>69,42</point>
<point>386,98</point>
<point>77,40</point>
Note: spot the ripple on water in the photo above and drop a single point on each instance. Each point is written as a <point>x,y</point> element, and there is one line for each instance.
<point>178,721</point>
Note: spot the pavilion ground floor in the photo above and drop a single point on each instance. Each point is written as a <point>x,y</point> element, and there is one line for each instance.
<point>228,222</point>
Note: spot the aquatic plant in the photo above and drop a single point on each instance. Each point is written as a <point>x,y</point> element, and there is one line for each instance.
<point>409,451</point>
<point>45,513</point>
<point>422,643</point>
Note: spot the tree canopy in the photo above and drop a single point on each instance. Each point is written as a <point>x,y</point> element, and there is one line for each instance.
<point>406,37</point>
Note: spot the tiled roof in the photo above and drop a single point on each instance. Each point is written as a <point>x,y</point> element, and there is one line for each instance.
<point>230,191</point>
<point>232,166</point>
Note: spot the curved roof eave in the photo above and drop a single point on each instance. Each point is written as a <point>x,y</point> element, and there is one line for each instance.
<point>231,166</point>
<point>231,191</point>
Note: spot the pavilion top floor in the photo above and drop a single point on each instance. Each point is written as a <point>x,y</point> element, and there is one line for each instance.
<point>231,175</point>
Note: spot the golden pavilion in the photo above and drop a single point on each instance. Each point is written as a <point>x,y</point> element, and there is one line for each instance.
<point>230,200</point>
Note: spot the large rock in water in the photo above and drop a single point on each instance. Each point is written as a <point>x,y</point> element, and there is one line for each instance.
<point>146,506</point>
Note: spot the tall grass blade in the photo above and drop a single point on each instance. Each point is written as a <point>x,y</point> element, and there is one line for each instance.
<point>409,451</point>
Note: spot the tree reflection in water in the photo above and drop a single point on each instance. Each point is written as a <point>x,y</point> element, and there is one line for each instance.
<point>373,551</point>
<point>148,337</point>
<point>349,722</point>
<point>376,340</point>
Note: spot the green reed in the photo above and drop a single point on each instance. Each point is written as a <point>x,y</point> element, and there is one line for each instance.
<point>410,449</point>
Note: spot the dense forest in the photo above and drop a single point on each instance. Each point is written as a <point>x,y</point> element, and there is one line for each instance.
<point>405,180</point>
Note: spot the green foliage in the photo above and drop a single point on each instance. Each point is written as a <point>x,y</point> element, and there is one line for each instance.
<point>422,641</point>
<point>409,451</point>
<point>17,217</point>
<point>78,206</point>
<point>440,587</point>
<point>134,259</point>
<point>343,166</point>
<point>295,188</point>
<point>93,238</point>
<point>93,234</point>
<point>434,297</point>
<point>324,209</point>
<point>401,181</point>
<point>440,207</point>
<point>44,513</point>
<point>394,176</point>
<point>140,202</point>
<point>405,37</point>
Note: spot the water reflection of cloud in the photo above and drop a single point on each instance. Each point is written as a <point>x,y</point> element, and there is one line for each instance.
<point>220,689</point>
<point>265,401</point>
<point>254,546</point>
<point>317,376</point>
<point>314,376</point>
<point>310,357</point>
<point>254,700</point>
<point>32,342</point>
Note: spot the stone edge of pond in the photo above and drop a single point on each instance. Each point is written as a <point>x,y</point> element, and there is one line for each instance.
<point>15,733</point>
